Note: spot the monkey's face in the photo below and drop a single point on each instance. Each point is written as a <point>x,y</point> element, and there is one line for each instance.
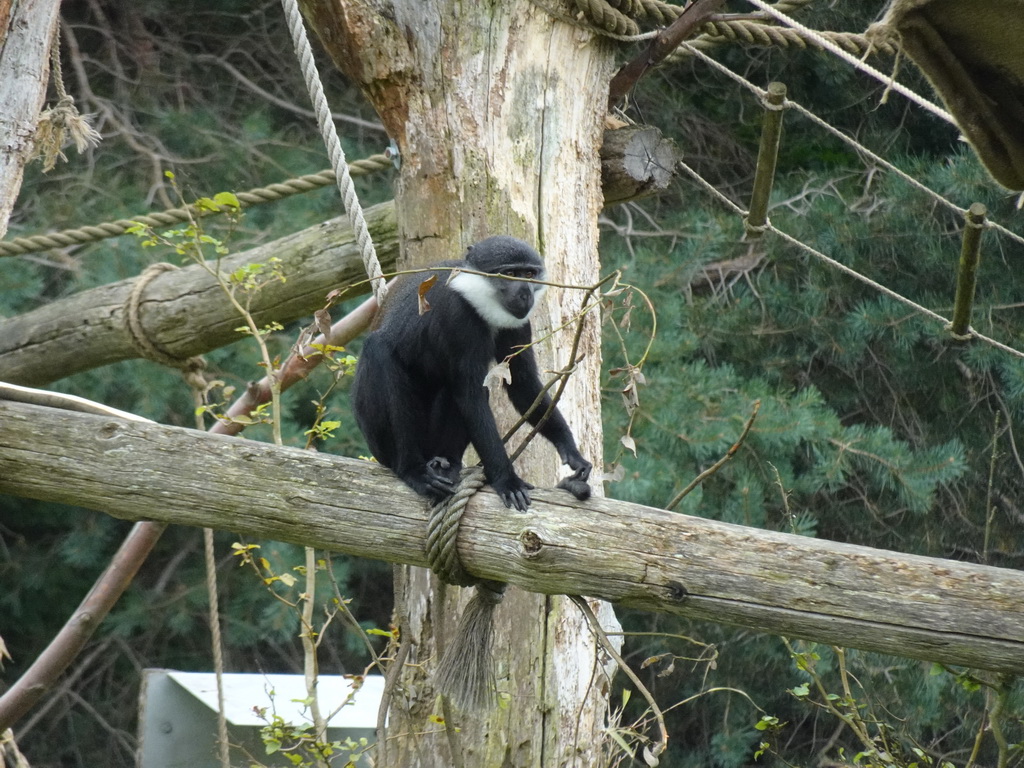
<point>516,297</point>
<point>501,295</point>
<point>500,301</point>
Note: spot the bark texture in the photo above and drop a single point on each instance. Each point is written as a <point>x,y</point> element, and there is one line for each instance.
<point>26,31</point>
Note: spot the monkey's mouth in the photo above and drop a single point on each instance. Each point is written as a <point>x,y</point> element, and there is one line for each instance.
<point>520,311</point>
<point>519,307</point>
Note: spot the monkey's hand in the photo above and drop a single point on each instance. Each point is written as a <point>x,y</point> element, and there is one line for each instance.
<point>576,483</point>
<point>580,467</point>
<point>514,491</point>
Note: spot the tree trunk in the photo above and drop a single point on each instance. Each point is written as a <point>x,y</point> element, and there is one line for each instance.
<point>498,112</point>
<point>26,31</point>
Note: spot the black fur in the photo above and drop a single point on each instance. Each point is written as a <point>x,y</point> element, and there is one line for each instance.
<point>419,395</point>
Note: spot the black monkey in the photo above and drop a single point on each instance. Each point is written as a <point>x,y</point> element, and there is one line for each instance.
<point>419,396</point>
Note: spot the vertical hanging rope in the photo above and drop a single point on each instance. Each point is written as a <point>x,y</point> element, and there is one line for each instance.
<point>304,53</point>
<point>197,383</point>
<point>217,644</point>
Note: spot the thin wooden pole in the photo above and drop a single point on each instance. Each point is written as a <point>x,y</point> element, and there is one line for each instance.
<point>970,254</point>
<point>767,158</point>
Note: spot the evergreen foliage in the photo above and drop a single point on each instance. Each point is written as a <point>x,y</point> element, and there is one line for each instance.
<point>875,427</point>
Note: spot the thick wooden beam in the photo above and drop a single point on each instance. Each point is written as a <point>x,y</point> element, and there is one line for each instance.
<point>921,607</point>
<point>184,311</point>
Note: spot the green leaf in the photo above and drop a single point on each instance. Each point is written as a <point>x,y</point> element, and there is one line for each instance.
<point>227,200</point>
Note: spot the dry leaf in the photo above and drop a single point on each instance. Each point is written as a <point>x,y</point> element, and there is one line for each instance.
<point>421,294</point>
<point>498,376</point>
<point>322,318</point>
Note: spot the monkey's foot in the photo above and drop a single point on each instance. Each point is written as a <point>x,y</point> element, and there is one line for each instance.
<point>440,477</point>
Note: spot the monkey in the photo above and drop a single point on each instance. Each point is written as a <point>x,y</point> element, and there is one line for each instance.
<point>418,394</point>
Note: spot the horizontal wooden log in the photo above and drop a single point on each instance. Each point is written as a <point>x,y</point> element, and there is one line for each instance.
<point>184,311</point>
<point>921,607</point>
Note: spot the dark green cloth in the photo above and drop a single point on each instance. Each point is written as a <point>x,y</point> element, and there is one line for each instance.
<point>972,51</point>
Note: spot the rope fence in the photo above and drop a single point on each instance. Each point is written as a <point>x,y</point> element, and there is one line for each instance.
<point>258,196</point>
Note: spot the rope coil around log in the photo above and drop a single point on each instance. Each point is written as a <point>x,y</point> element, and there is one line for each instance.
<point>466,672</point>
<point>443,530</point>
<point>191,367</point>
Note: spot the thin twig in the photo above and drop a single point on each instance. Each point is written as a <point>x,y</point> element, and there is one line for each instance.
<point>605,643</point>
<point>574,361</point>
<point>718,464</point>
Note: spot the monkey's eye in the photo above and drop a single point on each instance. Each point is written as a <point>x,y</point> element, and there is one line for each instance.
<point>526,273</point>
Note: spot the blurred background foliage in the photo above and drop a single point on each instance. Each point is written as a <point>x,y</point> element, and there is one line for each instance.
<point>874,428</point>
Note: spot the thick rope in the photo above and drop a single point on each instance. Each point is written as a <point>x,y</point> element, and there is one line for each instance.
<point>756,33</point>
<point>257,196</point>
<point>334,150</point>
<point>607,19</point>
<point>620,20</point>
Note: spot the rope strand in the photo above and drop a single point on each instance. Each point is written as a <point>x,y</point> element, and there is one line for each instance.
<point>271,193</point>
<point>760,93</point>
<point>834,49</point>
<point>304,53</point>
<point>838,265</point>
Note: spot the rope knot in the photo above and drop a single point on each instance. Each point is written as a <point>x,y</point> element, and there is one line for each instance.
<point>443,530</point>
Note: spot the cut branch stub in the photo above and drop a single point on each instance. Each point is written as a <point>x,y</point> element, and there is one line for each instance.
<point>636,161</point>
